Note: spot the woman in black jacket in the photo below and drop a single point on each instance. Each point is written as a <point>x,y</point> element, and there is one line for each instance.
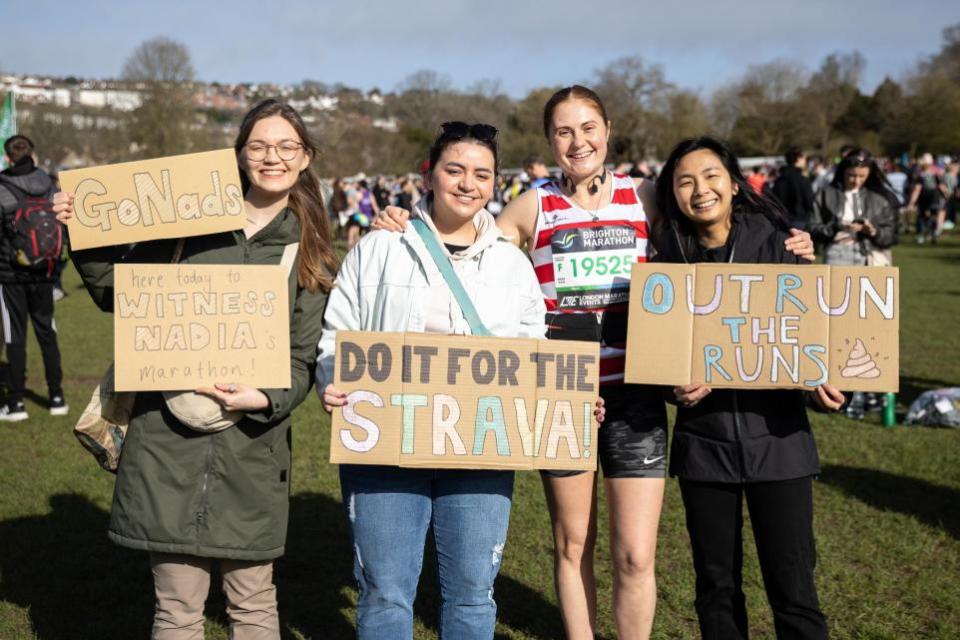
<point>855,216</point>
<point>729,444</point>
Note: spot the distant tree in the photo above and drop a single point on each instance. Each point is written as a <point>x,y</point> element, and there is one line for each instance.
<point>829,94</point>
<point>162,124</point>
<point>759,114</point>
<point>947,61</point>
<point>685,115</point>
<point>633,92</point>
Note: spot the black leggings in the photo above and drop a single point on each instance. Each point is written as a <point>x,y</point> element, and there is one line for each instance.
<point>782,517</point>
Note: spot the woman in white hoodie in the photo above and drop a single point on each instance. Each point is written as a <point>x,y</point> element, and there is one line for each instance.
<point>389,282</point>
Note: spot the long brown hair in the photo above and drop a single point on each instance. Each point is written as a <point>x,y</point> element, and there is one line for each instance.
<point>318,261</point>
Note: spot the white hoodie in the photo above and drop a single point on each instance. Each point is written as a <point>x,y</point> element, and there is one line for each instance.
<point>389,282</point>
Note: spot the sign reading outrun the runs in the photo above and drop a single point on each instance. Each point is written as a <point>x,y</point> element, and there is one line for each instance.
<point>427,400</point>
<point>173,197</point>
<point>178,327</point>
<point>764,326</point>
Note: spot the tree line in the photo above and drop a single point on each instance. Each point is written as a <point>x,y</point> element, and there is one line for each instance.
<point>770,107</point>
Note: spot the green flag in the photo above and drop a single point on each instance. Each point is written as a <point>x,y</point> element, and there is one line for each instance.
<point>8,123</point>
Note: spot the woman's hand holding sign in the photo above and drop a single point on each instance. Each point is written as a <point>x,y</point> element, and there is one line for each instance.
<point>236,396</point>
<point>333,397</point>
<point>63,206</point>
<point>828,398</point>
<point>689,395</point>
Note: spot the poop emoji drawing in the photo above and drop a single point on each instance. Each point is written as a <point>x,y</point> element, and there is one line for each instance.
<point>859,363</point>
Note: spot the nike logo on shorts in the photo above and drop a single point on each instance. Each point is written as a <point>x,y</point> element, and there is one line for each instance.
<point>648,460</point>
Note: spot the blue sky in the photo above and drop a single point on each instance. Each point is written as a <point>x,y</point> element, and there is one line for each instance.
<point>701,44</point>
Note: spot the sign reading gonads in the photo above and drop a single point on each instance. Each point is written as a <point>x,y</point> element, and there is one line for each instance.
<point>173,197</point>
<point>427,400</point>
<point>179,327</point>
<point>764,326</point>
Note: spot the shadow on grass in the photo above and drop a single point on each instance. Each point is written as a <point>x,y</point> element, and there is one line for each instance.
<point>73,580</point>
<point>930,503</point>
<point>76,584</point>
<point>313,575</point>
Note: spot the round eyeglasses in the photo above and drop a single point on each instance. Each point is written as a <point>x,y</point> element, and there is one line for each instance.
<point>286,150</point>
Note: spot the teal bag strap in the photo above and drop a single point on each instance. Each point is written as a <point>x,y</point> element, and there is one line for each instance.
<point>477,327</point>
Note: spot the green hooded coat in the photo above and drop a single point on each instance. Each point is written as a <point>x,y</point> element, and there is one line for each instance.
<point>224,494</point>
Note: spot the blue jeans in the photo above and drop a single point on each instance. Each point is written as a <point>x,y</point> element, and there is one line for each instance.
<point>390,510</point>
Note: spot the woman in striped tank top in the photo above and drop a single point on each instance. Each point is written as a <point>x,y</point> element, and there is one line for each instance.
<point>583,234</point>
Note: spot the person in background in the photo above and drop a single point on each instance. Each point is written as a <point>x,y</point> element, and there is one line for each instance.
<point>792,188</point>
<point>381,193</point>
<point>951,184</point>
<point>537,173</point>
<point>26,292</point>
<point>929,199</point>
<point>735,445</point>
<point>757,179</point>
<point>856,222</point>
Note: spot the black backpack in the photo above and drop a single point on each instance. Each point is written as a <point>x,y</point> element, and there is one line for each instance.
<point>36,234</point>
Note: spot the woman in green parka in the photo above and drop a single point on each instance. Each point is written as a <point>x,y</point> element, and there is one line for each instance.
<point>190,498</point>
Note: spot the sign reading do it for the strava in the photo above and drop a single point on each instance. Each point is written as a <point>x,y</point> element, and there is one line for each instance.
<point>179,327</point>
<point>173,197</point>
<point>764,326</point>
<point>423,400</point>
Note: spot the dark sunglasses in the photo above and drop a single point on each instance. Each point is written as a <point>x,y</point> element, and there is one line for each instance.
<point>458,130</point>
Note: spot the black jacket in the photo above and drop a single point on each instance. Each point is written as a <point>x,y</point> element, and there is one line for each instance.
<point>795,193</point>
<point>879,210</point>
<point>736,435</point>
<point>16,182</point>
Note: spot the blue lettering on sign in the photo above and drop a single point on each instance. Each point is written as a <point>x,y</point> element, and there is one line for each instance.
<point>661,281</point>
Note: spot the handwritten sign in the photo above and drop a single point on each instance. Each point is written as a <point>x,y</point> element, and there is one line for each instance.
<point>425,400</point>
<point>764,326</point>
<point>179,327</point>
<point>173,197</point>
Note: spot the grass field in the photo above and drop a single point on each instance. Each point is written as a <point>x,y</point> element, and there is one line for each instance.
<point>887,513</point>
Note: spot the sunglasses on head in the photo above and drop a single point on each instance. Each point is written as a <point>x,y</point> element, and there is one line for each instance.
<point>458,130</point>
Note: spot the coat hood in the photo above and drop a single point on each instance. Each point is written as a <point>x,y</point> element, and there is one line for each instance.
<point>487,230</point>
<point>35,183</point>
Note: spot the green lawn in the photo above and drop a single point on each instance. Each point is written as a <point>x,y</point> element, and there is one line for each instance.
<point>887,513</point>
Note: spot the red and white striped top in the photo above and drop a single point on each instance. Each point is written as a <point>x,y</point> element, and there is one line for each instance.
<point>559,213</point>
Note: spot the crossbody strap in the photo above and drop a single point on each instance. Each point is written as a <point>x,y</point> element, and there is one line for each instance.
<point>289,255</point>
<point>477,327</point>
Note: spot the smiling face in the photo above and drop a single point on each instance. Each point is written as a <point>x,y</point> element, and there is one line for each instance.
<point>704,189</point>
<point>578,137</point>
<point>273,175</point>
<point>855,177</point>
<point>462,182</point>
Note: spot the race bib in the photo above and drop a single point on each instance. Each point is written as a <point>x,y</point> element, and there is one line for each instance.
<point>591,266</point>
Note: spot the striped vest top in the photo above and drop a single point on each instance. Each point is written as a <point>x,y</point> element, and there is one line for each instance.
<point>583,258</point>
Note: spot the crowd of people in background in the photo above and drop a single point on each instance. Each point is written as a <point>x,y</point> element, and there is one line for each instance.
<point>925,189</point>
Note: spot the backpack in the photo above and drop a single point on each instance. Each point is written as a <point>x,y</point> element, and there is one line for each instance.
<point>36,235</point>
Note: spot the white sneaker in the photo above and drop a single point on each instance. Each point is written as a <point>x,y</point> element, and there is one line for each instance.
<point>15,412</point>
<point>59,406</point>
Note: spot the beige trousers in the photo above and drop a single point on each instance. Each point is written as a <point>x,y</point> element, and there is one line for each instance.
<point>182,583</point>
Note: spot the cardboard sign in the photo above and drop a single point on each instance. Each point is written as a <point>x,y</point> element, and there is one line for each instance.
<point>174,197</point>
<point>427,400</point>
<point>178,327</point>
<point>765,326</point>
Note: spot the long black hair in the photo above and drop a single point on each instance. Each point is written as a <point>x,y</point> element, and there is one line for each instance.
<point>673,228</point>
<point>876,180</point>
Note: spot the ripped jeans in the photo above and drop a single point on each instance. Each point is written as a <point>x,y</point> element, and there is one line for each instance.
<point>390,511</point>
